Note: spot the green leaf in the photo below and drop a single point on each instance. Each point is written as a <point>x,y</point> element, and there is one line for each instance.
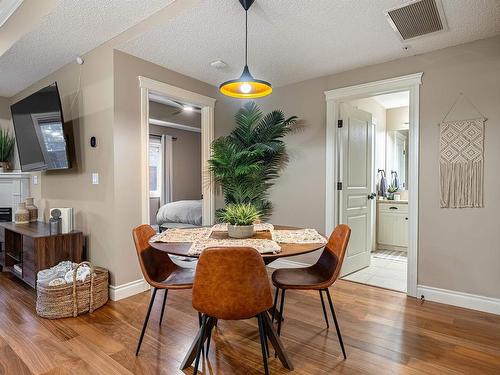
<point>247,162</point>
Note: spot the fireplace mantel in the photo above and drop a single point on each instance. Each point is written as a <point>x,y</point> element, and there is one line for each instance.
<point>14,188</point>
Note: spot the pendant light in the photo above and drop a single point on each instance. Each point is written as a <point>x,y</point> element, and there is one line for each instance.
<point>246,87</point>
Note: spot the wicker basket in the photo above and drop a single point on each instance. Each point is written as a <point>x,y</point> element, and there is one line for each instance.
<point>71,300</point>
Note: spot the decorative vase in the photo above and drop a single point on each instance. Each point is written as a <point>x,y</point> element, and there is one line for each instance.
<point>33,210</point>
<point>22,215</point>
<point>240,231</point>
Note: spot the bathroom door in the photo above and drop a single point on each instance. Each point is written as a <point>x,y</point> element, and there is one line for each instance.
<point>356,174</point>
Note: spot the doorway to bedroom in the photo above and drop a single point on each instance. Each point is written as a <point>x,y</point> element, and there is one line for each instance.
<point>177,129</point>
<point>175,188</point>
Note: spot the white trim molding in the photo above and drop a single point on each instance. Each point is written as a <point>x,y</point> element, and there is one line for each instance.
<point>334,98</point>
<point>174,125</point>
<point>126,290</point>
<point>173,92</point>
<point>460,299</point>
<point>375,88</point>
<point>207,105</point>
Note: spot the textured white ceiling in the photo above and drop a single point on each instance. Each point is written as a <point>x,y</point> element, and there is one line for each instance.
<point>294,40</point>
<point>71,29</point>
<point>394,100</point>
<point>290,40</point>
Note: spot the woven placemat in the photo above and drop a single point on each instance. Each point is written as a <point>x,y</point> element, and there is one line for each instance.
<point>262,246</point>
<point>182,235</point>
<point>298,236</point>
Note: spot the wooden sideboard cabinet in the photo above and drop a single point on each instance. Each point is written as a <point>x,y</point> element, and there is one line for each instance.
<point>28,248</point>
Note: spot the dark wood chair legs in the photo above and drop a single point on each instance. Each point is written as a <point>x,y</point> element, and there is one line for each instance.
<point>163,306</point>
<point>144,326</point>
<point>263,342</point>
<point>336,323</point>
<point>324,309</point>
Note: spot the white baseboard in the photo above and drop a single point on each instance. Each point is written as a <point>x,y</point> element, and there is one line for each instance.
<point>285,263</point>
<point>118,292</point>
<point>466,300</point>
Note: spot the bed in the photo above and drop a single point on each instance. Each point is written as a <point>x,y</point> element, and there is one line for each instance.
<point>180,214</point>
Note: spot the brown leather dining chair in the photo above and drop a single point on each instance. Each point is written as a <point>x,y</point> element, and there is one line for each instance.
<point>232,284</point>
<point>159,271</point>
<point>320,276</point>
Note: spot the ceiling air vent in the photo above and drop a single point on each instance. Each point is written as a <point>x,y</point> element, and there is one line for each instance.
<point>417,18</point>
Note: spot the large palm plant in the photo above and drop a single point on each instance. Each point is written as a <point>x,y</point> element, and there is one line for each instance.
<point>248,160</point>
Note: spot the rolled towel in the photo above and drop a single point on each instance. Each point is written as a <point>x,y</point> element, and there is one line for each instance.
<point>57,282</point>
<point>81,274</point>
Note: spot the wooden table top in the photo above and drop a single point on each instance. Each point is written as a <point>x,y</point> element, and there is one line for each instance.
<point>287,250</point>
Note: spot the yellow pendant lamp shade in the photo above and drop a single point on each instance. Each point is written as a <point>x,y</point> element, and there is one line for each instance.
<point>246,87</point>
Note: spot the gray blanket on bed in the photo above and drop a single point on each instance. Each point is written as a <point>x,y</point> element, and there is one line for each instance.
<point>186,212</point>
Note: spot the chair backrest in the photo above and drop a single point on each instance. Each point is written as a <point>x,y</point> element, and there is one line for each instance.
<point>330,261</point>
<point>155,265</point>
<point>231,283</point>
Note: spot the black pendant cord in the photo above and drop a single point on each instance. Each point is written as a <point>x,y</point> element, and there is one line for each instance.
<point>246,37</point>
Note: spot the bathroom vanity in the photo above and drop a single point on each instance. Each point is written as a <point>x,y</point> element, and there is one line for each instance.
<point>392,225</point>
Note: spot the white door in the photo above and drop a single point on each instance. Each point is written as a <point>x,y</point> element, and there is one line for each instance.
<point>357,177</point>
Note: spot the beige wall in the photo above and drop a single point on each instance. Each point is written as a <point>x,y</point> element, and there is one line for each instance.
<point>5,116</point>
<point>108,107</point>
<point>92,115</point>
<point>398,118</point>
<point>127,127</point>
<point>459,249</point>
<point>186,163</point>
<point>6,123</point>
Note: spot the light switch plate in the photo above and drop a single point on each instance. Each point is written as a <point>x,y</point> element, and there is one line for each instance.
<point>35,180</point>
<point>95,178</point>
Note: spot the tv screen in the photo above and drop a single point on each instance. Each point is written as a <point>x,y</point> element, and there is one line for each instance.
<point>39,127</point>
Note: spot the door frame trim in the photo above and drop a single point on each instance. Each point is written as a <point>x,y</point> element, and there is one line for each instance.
<point>207,104</point>
<point>333,98</point>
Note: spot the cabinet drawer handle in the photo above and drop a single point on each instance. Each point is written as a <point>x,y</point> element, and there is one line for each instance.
<point>393,208</point>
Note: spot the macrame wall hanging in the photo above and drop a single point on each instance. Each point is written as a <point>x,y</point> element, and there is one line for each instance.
<point>461,162</point>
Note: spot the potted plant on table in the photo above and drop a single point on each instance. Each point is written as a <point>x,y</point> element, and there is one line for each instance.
<point>7,142</point>
<point>240,219</point>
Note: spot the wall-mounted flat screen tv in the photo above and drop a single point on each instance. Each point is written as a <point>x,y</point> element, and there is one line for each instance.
<point>39,128</point>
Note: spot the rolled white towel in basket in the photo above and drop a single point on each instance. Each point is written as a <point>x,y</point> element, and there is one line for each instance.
<point>82,273</point>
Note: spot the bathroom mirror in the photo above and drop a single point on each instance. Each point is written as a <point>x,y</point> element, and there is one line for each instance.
<point>397,157</point>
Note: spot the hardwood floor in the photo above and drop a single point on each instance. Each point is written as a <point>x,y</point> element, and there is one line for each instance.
<point>384,333</point>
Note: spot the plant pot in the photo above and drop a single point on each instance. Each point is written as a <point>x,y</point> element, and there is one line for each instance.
<point>240,231</point>
<point>5,166</point>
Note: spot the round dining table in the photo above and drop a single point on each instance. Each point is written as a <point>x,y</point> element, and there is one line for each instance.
<point>287,249</point>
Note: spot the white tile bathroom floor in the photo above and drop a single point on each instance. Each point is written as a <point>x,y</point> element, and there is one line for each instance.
<point>384,273</point>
